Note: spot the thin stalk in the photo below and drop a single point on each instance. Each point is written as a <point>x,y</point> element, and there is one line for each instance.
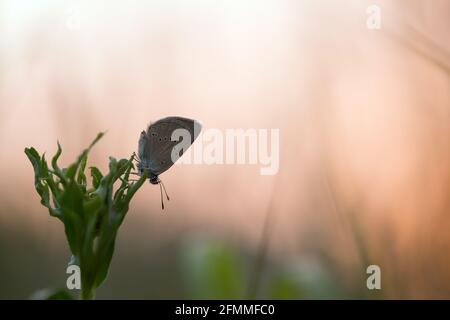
<point>260,261</point>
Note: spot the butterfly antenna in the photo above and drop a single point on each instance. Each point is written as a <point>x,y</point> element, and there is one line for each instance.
<point>161,183</point>
<point>162,200</point>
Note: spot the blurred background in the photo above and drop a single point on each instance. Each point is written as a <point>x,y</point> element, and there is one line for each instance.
<point>364,143</point>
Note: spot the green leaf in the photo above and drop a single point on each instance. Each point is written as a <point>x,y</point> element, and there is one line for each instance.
<point>96,176</point>
<point>81,178</point>
<point>135,187</point>
<point>93,205</point>
<point>106,250</point>
<point>56,157</point>
<point>99,136</point>
<point>81,161</point>
<point>56,170</point>
<point>71,171</point>
<point>73,213</point>
<point>41,183</point>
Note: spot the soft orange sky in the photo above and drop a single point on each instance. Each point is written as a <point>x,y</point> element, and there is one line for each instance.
<point>363,115</point>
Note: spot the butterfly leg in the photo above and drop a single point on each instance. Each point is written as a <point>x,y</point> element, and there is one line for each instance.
<point>135,158</point>
<point>161,187</point>
<point>162,200</point>
<point>162,184</point>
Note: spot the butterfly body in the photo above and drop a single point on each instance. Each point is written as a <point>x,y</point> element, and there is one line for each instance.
<point>144,163</point>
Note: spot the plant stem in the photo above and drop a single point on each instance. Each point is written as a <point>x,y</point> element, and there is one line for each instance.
<point>87,294</point>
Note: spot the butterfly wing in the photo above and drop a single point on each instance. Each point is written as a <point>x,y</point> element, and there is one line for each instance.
<point>156,145</point>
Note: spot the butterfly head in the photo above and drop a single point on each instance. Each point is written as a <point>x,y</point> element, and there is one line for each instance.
<point>153,179</point>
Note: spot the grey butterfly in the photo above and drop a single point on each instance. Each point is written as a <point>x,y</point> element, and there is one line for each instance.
<point>162,144</point>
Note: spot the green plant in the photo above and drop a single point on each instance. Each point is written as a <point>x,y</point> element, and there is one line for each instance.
<point>91,213</point>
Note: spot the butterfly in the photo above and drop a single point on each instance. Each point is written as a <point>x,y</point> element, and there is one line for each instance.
<point>161,145</point>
